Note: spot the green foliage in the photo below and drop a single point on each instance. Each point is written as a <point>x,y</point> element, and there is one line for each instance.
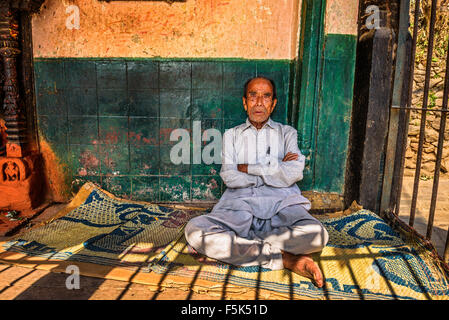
<point>441,35</point>
<point>432,100</point>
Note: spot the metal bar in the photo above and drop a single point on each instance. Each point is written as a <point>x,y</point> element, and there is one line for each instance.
<point>424,109</point>
<point>412,60</point>
<point>398,82</point>
<point>446,249</point>
<point>397,199</point>
<point>423,114</point>
<point>403,123</point>
<point>397,204</point>
<point>436,175</point>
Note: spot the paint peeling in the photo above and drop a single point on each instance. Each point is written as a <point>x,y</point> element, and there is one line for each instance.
<point>195,28</point>
<point>206,191</point>
<point>174,192</point>
<point>89,161</point>
<point>145,191</point>
<point>341,17</point>
<point>3,136</point>
<point>57,174</point>
<point>136,138</point>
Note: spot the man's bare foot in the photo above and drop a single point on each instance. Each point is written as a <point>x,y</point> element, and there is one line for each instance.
<point>303,265</point>
<point>198,256</point>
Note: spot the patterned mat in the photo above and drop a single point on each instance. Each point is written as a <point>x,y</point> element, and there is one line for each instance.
<point>364,259</point>
<point>105,230</point>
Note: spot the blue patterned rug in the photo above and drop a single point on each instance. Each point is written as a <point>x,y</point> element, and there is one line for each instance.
<point>364,258</point>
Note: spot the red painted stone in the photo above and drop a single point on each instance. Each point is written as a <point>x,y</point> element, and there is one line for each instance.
<point>21,185</point>
<point>14,150</point>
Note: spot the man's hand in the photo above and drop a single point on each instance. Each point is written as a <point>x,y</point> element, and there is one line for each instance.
<point>242,168</point>
<point>290,156</point>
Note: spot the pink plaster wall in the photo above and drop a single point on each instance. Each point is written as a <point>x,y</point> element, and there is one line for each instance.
<point>341,16</point>
<point>255,29</point>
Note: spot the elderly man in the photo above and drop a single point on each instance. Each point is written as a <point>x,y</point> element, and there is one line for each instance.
<point>262,218</point>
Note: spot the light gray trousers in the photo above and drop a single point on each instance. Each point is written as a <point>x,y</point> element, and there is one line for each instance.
<point>218,240</point>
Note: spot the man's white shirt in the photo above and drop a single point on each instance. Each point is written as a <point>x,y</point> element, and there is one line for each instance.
<point>263,151</point>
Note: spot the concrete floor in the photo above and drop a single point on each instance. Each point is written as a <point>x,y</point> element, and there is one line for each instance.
<point>441,218</point>
<point>19,283</point>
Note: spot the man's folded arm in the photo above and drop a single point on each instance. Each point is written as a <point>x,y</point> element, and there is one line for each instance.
<point>282,173</point>
<point>231,177</point>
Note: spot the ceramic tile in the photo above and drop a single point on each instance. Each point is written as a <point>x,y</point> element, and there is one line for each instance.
<point>174,188</point>
<point>175,75</point>
<point>175,103</point>
<point>114,159</point>
<point>113,130</point>
<point>83,130</point>
<point>144,160</point>
<point>53,129</point>
<point>51,102</point>
<point>142,74</point>
<point>80,74</point>
<point>120,186</point>
<point>85,159</point>
<point>206,188</point>
<point>111,74</point>
<point>82,102</point>
<point>145,188</point>
<point>144,131</point>
<point>112,102</point>
<point>144,103</point>
<point>207,75</point>
<point>207,104</point>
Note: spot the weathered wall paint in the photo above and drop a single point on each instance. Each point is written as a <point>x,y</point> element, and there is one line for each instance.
<point>341,17</point>
<point>262,29</point>
<point>57,180</point>
<point>109,120</point>
<point>334,113</point>
<point>84,93</point>
<point>2,132</point>
<point>256,29</point>
<point>324,98</point>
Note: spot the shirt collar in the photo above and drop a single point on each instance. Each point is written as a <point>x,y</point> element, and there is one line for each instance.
<point>248,124</point>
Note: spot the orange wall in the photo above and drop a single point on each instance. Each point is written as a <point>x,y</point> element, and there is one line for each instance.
<point>256,29</point>
<point>341,16</point>
<point>253,29</point>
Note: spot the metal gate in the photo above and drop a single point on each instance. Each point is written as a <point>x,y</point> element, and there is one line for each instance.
<point>400,112</point>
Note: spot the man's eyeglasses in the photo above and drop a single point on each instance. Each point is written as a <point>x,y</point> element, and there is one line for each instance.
<point>253,97</point>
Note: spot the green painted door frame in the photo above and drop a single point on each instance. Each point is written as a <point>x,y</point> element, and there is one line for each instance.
<point>321,104</point>
<point>307,86</point>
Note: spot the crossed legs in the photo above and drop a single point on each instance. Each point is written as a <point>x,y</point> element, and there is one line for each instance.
<point>282,247</point>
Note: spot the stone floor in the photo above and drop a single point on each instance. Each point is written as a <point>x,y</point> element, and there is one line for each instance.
<point>441,218</point>
<point>20,283</point>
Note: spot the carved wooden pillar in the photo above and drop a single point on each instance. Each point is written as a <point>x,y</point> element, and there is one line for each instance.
<point>20,174</point>
<point>2,135</point>
<point>12,103</point>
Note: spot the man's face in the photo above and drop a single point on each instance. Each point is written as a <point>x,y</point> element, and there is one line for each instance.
<point>259,102</point>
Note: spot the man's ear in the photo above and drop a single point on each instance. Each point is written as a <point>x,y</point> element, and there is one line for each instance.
<point>275,101</point>
<point>244,104</point>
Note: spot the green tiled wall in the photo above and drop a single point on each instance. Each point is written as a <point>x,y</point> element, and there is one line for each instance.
<point>110,120</point>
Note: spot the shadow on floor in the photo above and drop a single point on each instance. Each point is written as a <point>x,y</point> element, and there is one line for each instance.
<point>53,287</point>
